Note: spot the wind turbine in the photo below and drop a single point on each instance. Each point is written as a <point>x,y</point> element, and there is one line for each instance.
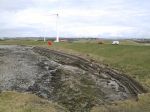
<point>57,28</point>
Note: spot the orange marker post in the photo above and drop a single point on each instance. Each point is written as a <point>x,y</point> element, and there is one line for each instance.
<point>49,43</point>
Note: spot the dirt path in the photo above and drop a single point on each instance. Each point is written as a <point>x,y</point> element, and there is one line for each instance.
<point>71,81</point>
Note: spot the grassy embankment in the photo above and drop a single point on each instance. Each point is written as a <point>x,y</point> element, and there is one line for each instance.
<point>134,60</point>
<point>23,102</point>
<point>131,58</point>
<point>142,105</point>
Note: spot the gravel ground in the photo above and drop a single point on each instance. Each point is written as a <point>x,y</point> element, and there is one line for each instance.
<point>18,68</point>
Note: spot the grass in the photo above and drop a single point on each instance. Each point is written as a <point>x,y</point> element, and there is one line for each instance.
<point>129,57</point>
<point>21,42</point>
<point>23,102</point>
<point>134,60</point>
<point>143,105</point>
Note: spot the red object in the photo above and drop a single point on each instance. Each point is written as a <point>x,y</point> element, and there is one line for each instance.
<point>49,43</point>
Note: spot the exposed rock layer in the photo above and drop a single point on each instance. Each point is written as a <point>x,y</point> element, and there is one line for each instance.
<point>74,82</point>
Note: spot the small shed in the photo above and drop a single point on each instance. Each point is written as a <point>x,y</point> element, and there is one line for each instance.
<point>115,43</point>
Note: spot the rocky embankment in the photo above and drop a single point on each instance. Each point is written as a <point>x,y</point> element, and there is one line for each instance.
<point>71,81</point>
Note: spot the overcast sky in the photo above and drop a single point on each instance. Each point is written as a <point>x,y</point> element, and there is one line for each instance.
<point>100,18</point>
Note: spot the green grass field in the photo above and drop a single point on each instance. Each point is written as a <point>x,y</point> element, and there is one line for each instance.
<point>133,60</point>
<point>129,57</point>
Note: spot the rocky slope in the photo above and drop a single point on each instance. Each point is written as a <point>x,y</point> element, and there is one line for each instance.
<point>73,82</point>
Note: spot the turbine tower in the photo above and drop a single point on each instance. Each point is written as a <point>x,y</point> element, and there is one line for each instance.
<point>57,28</point>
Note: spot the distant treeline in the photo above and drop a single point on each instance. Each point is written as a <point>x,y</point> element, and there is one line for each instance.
<point>47,38</point>
<point>143,41</point>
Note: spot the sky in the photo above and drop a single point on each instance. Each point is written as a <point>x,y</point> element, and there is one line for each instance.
<point>77,18</point>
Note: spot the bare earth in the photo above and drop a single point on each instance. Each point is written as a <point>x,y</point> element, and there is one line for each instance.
<point>75,83</point>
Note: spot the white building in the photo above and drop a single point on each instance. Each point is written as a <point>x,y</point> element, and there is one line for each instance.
<point>115,43</point>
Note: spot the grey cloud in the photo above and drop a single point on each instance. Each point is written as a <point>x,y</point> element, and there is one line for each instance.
<point>14,5</point>
<point>121,13</point>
